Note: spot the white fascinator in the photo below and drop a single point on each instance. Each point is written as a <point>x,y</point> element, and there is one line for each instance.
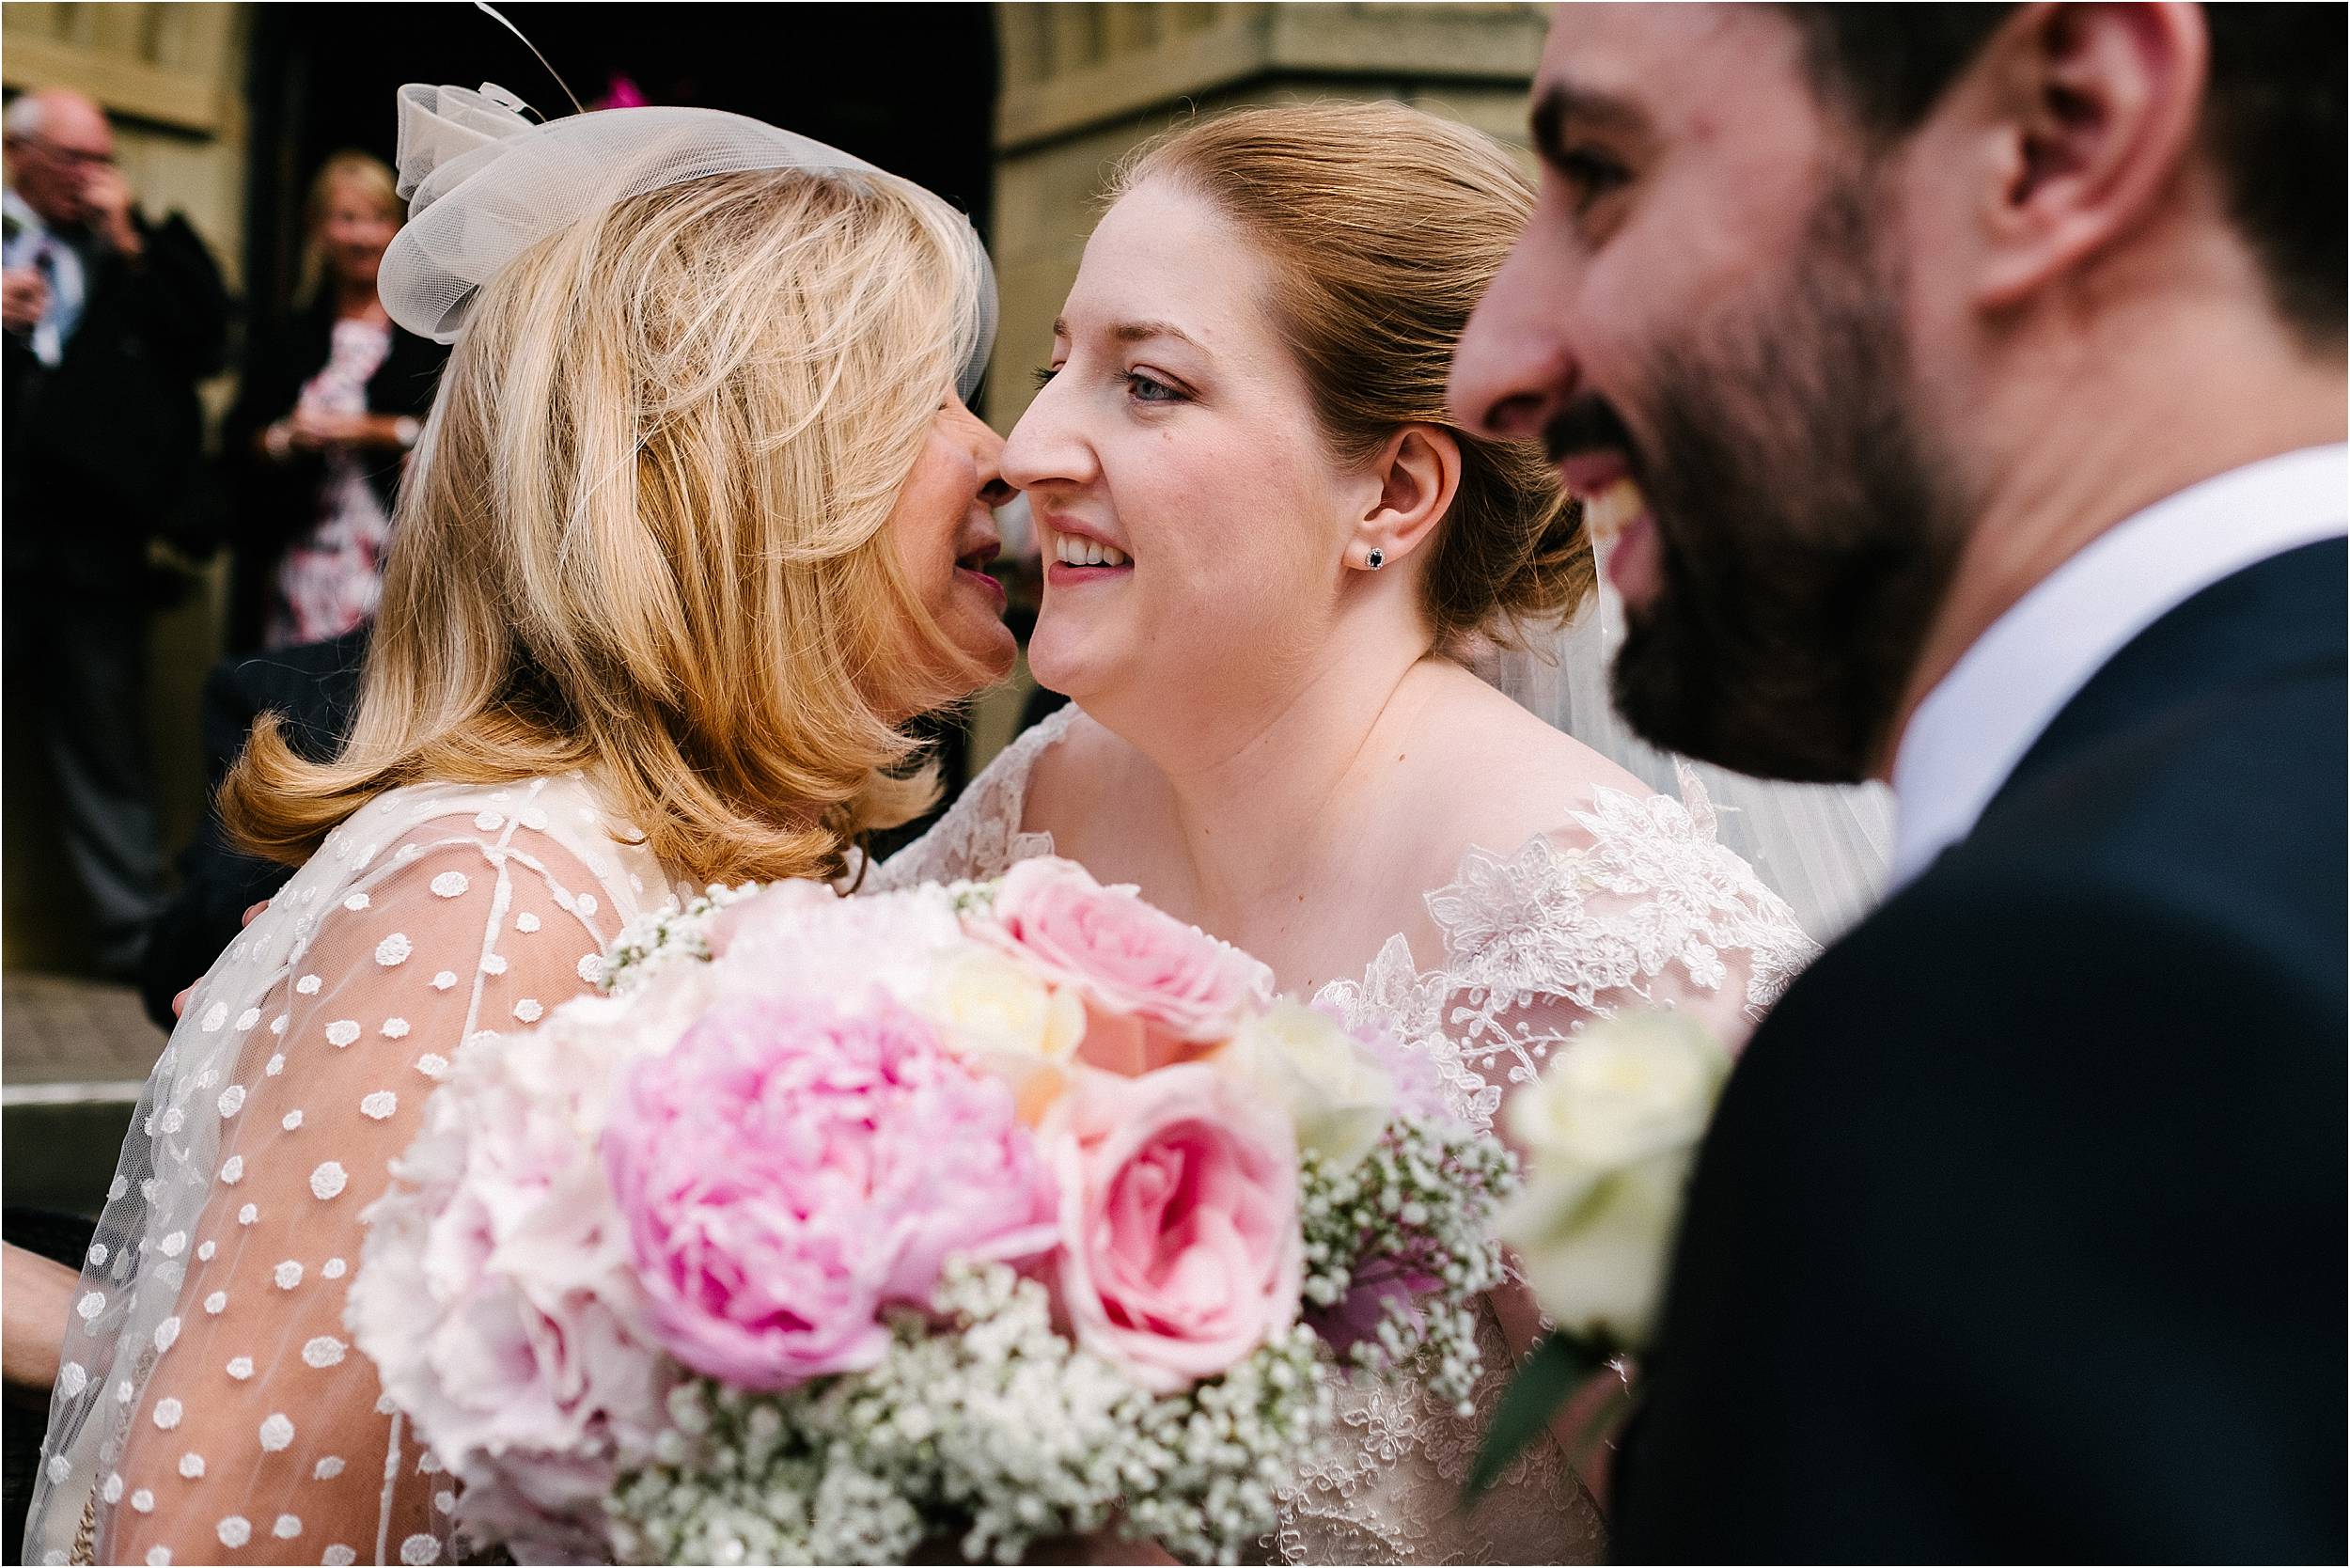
<point>484,184</point>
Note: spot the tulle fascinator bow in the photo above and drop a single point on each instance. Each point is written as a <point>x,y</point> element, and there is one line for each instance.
<point>484,183</point>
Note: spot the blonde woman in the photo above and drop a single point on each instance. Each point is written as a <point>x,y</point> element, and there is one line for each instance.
<point>697,524</point>
<point>1268,545</point>
<point>328,407</point>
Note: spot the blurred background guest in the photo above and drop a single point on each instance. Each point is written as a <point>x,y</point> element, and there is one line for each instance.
<point>110,322</point>
<point>329,407</point>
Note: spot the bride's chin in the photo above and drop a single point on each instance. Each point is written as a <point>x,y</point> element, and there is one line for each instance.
<point>1059,666</point>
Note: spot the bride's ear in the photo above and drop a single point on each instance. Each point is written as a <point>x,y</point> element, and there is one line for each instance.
<point>1417,472</point>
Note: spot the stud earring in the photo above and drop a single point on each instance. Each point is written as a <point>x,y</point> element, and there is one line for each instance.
<point>1376,559</point>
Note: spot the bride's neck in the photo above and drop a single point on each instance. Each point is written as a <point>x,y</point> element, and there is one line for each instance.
<point>1264,781</point>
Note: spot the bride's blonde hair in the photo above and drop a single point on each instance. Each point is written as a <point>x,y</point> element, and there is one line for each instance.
<point>644,532</point>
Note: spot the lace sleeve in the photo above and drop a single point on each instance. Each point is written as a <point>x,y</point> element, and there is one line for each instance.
<point>257,1436</point>
<point>1631,904</point>
<point>979,836</point>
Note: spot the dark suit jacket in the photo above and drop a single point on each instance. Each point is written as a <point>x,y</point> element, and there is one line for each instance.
<point>270,502</point>
<point>314,689</point>
<point>2020,1231</point>
<point>103,451</point>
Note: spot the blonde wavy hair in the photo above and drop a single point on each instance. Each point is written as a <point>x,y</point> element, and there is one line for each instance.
<point>645,533</point>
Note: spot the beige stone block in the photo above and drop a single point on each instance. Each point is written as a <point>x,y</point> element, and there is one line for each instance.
<point>1085,93</point>
<point>1415,40</point>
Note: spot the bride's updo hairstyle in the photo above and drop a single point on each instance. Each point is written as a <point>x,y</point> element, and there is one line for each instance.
<point>643,531</point>
<point>1384,226</point>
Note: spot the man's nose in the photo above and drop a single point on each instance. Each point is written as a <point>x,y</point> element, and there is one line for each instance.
<point>1515,367</point>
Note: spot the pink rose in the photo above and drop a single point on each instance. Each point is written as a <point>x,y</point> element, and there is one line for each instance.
<point>1180,1245</point>
<point>787,1171</point>
<point>1126,957</point>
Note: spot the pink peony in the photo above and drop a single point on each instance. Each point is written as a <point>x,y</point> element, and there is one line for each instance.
<point>1180,1245</point>
<point>1127,958</point>
<point>789,1170</point>
<point>496,1298</point>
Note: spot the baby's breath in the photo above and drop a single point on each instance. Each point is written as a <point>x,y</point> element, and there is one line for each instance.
<point>1419,1208</point>
<point>652,941</point>
<point>994,1433</point>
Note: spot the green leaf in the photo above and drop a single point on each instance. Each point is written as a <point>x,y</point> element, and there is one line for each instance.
<point>1557,1366</point>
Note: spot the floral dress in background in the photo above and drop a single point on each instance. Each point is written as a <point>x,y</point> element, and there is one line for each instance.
<point>330,577</point>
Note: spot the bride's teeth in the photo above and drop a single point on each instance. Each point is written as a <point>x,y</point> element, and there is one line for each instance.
<point>1606,513</point>
<point>1074,549</point>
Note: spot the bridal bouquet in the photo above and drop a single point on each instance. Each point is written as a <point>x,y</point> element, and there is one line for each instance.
<point>966,1216</point>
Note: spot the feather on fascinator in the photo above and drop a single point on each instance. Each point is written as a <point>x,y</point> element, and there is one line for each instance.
<point>484,184</point>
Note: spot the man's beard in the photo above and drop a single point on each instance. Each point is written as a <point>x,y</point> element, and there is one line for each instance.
<point>1803,538</point>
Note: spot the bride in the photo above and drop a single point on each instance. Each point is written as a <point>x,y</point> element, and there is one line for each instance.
<point>1266,546</point>
<point>696,525</point>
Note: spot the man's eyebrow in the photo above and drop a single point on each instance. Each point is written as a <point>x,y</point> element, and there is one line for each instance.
<point>1563,102</point>
<point>1136,332</point>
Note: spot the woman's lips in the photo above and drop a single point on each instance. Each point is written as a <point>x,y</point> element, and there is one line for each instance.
<point>986,582</point>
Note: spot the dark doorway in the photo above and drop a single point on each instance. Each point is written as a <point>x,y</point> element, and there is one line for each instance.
<point>912,88</point>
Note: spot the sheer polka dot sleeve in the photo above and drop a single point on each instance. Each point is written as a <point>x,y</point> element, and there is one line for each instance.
<point>259,1436</point>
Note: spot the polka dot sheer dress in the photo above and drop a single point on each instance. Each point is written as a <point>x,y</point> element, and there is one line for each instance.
<point>212,1407</point>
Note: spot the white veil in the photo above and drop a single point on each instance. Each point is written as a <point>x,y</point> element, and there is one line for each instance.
<point>1822,847</point>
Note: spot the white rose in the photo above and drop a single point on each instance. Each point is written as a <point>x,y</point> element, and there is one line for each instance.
<point>1338,1098</point>
<point>998,1015</point>
<point>1609,1132</point>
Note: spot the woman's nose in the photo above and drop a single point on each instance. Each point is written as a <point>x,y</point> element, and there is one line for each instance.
<point>1046,447</point>
<point>987,457</point>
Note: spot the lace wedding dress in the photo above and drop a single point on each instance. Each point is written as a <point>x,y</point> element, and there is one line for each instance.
<point>1628,901</point>
<point>210,1406</point>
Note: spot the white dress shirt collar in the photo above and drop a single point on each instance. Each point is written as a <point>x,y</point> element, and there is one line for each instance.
<point>1975,727</point>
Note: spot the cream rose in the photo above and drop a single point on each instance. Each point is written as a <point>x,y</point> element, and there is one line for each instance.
<point>1339,1098</point>
<point>997,1015</point>
<point>1609,1132</point>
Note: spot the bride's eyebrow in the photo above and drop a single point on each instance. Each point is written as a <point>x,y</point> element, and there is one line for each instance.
<point>1137,332</point>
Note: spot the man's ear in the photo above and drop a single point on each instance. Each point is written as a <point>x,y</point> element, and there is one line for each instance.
<point>2092,110</point>
<point>1418,471</point>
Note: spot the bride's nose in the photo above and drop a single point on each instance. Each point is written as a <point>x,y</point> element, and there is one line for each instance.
<point>1047,446</point>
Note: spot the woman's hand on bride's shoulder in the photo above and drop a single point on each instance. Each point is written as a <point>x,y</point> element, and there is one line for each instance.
<point>180,1002</point>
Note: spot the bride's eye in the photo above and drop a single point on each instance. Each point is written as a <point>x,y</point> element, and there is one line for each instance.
<point>1146,388</point>
<point>1044,374</point>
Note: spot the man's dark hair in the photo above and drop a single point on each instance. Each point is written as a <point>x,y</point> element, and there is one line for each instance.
<point>2273,122</point>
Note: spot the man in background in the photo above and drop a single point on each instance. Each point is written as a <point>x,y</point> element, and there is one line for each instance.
<point>110,321</point>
